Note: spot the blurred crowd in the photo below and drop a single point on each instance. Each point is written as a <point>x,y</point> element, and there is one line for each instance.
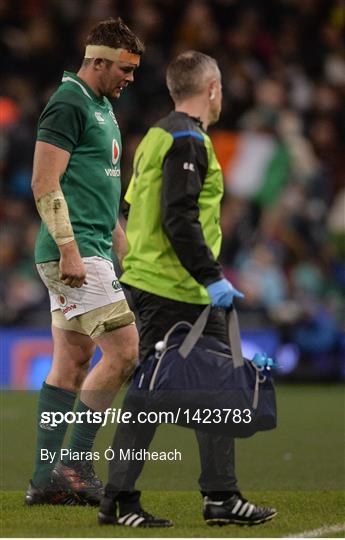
<point>280,142</point>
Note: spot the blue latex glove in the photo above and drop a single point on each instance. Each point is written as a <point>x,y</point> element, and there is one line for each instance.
<point>222,293</point>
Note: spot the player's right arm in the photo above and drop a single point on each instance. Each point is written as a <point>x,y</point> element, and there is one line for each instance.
<point>50,163</point>
<point>60,128</point>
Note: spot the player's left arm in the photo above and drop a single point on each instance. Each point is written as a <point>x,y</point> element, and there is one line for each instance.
<point>119,242</point>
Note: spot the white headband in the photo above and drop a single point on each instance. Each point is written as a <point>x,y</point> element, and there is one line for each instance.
<point>114,55</point>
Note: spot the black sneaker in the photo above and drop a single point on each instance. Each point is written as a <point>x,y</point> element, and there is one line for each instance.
<point>81,479</point>
<point>139,518</point>
<point>52,494</point>
<point>235,510</point>
<point>143,519</point>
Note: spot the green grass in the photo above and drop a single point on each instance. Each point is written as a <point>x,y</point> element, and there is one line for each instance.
<point>298,512</point>
<point>299,468</point>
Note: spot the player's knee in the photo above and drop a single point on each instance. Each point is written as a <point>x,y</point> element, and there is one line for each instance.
<point>131,350</point>
<point>81,372</point>
<point>130,356</point>
<point>81,367</point>
<point>128,352</point>
<point>123,360</point>
<point>128,367</point>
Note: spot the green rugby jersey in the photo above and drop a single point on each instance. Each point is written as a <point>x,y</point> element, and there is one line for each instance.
<point>77,120</point>
<point>173,229</point>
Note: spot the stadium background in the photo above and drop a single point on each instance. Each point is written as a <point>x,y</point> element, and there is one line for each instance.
<point>279,141</point>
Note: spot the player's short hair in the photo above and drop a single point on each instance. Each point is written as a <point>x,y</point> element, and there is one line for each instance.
<point>188,74</point>
<point>116,34</point>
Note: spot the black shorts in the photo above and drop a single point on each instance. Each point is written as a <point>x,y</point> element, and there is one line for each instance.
<point>157,315</point>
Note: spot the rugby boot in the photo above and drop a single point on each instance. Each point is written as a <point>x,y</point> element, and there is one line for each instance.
<point>81,479</point>
<point>52,494</point>
<point>235,510</point>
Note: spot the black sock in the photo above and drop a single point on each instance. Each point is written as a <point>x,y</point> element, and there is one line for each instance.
<point>219,495</point>
<point>129,501</point>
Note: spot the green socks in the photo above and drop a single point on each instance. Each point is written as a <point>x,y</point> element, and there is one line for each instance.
<point>50,437</point>
<point>83,434</point>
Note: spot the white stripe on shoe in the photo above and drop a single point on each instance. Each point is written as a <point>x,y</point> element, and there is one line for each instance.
<point>243,509</point>
<point>236,507</point>
<point>137,522</point>
<point>250,510</point>
<point>131,519</point>
<point>122,519</point>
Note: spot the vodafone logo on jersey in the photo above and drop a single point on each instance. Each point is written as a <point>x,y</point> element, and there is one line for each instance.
<point>115,152</point>
<point>115,157</point>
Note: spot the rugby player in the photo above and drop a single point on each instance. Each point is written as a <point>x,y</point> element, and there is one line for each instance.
<point>76,185</point>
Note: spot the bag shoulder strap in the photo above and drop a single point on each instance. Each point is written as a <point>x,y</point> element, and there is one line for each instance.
<point>194,333</point>
<point>198,327</point>
<point>235,339</point>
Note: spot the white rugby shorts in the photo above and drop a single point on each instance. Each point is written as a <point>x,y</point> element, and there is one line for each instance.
<point>102,287</point>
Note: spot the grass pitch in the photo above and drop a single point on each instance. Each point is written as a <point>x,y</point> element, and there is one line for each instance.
<point>298,468</point>
<point>298,512</point>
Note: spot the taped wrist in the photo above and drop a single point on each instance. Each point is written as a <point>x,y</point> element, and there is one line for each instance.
<point>52,208</point>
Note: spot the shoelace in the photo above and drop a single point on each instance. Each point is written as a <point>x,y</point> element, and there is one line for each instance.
<point>74,477</point>
<point>86,467</point>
